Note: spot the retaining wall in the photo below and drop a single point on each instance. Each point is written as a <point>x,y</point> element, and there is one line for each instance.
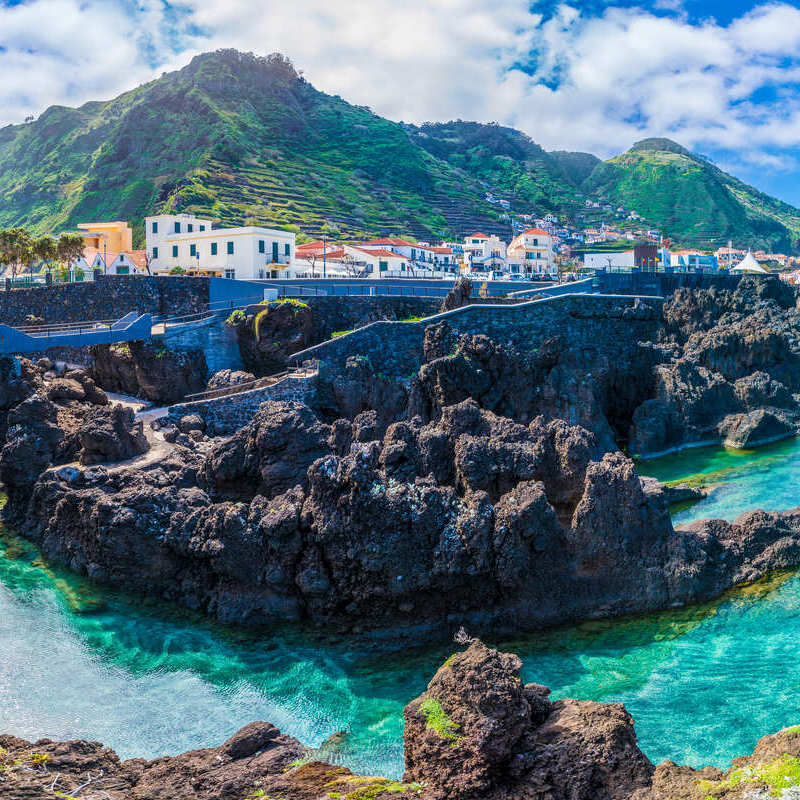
<point>396,348</point>
<point>224,415</point>
<point>108,297</point>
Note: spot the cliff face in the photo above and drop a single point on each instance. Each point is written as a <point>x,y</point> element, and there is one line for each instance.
<point>476,733</point>
<point>728,371</point>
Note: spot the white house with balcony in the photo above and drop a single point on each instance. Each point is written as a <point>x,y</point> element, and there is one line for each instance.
<point>484,252</point>
<point>532,253</point>
<point>194,245</point>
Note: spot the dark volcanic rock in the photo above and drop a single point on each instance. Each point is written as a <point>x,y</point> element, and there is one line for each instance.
<point>478,733</point>
<point>743,431</point>
<point>149,370</point>
<point>269,455</point>
<point>258,761</point>
<point>111,435</point>
<point>472,518</point>
<point>228,377</point>
<point>272,333</point>
<point>459,295</point>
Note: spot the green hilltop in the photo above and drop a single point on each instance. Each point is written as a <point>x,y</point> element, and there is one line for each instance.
<point>692,200</point>
<point>246,140</point>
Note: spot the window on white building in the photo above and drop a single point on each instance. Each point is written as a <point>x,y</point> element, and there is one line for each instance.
<point>155,227</point>
<point>174,251</point>
<point>155,252</point>
<point>177,227</point>
<point>230,273</point>
<point>213,248</point>
<point>230,248</point>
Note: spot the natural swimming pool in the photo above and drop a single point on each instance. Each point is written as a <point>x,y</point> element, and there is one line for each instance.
<point>702,684</point>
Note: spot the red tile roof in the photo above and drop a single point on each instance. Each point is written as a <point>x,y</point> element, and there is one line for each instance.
<point>379,252</point>
<point>392,241</point>
<point>137,257</point>
<point>536,232</point>
<point>477,236</point>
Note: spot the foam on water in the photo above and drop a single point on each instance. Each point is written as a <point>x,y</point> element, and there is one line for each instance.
<point>702,684</point>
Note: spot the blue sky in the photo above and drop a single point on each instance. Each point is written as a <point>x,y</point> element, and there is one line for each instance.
<point>722,78</point>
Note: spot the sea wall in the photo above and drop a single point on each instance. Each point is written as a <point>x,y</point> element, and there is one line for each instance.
<point>663,283</point>
<point>396,348</point>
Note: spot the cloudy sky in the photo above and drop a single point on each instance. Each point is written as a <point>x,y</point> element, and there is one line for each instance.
<point>719,76</point>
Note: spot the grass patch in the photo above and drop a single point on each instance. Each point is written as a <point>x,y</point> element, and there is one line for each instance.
<point>436,719</point>
<point>780,774</point>
<point>337,334</point>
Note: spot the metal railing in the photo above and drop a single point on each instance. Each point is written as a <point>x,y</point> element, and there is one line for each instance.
<point>60,327</point>
<point>257,383</point>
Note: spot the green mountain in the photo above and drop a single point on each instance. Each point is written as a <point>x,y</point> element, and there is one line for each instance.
<point>244,139</point>
<point>238,138</point>
<point>506,160</point>
<point>691,200</point>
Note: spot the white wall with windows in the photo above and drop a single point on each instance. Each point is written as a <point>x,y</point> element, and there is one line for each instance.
<point>242,253</point>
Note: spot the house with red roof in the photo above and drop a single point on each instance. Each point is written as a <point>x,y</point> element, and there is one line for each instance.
<point>532,252</point>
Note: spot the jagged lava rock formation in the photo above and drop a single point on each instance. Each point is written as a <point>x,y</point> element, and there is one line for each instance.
<point>728,369</point>
<point>469,519</point>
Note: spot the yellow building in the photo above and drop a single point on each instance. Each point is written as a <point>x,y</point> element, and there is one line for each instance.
<point>111,237</point>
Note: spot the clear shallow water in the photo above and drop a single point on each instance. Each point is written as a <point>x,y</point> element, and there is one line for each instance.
<point>702,685</point>
<point>737,481</point>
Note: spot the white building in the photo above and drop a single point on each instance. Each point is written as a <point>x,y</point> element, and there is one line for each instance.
<point>189,242</point>
<point>532,252</point>
<point>484,252</point>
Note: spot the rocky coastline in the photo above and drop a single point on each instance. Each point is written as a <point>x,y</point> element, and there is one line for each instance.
<point>459,497</point>
<point>476,733</point>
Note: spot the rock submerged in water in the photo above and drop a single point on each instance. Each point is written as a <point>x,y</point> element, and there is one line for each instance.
<point>476,733</point>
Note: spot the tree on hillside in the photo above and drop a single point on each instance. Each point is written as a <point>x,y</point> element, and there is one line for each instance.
<point>69,248</point>
<point>15,248</point>
<point>44,250</point>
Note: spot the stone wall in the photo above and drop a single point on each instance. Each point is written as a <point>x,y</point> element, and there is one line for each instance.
<point>213,337</point>
<point>224,415</point>
<point>108,297</point>
<point>664,283</point>
<point>395,349</point>
<point>345,313</point>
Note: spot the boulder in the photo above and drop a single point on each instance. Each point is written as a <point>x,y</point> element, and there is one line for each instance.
<point>745,431</point>
<point>479,733</point>
<point>111,435</point>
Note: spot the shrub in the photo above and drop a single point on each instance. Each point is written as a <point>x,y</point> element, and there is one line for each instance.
<point>177,271</point>
<point>237,318</point>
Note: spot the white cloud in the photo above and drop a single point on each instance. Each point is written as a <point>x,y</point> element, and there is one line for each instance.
<point>596,83</point>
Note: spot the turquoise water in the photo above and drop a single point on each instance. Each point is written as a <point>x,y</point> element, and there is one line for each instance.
<point>736,481</point>
<point>702,685</point>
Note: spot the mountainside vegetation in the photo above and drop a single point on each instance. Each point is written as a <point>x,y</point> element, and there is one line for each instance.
<point>692,200</point>
<point>246,140</point>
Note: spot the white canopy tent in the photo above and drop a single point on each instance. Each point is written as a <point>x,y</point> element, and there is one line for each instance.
<point>749,264</point>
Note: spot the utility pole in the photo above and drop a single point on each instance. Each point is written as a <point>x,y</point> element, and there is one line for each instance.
<point>324,255</point>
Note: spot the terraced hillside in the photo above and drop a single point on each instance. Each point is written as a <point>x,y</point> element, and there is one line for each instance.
<point>509,162</point>
<point>239,138</point>
<point>244,139</point>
